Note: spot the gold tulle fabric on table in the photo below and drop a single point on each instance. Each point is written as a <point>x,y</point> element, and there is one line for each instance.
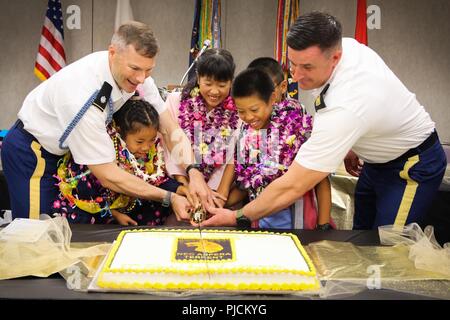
<point>346,269</point>
<point>342,196</point>
<point>50,254</point>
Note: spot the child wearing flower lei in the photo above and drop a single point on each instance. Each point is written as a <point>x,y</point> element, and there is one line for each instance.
<point>207,114</point>
<point>266,155</point>
<point>151,168</point>
<point>82,198</point>
<point>269,139</point>
<point>215,128</point>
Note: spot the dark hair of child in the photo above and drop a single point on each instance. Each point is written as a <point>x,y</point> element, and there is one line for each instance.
<point>269,65</point>
<point>217,64</point>
<point>253,82</point>
<point>135,114</point>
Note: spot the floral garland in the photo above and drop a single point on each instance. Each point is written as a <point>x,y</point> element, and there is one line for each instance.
<point>151,170</point>
<point>264,155</point>
<point>209,132</point>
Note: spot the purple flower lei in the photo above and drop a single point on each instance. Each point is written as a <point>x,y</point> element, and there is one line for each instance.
<point>209,132</point>
<point>264,155</point>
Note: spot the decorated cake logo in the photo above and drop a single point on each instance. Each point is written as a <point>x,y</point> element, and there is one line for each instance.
<point>197,249</point>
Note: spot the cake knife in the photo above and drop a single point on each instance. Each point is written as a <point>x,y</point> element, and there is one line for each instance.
<point>198,216</point>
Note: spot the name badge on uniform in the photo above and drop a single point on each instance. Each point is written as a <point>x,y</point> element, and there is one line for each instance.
<point>320,103</point>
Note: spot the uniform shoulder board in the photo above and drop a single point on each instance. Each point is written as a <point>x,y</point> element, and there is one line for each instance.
<point>320,103</point>
<point>103,96</point>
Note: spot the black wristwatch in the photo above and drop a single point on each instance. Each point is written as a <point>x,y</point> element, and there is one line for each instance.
<point>325,226</point>
<point>166,200</point>
<point>192,166</point>
<point>242,221</point>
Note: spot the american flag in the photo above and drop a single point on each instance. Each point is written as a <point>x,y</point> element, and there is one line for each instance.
<point>51,56</point>
<point>361,22</point>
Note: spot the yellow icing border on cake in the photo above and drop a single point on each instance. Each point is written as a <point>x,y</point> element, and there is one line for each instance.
<point>303,253</point>
<point>206,285</point>
<point>174,252</point>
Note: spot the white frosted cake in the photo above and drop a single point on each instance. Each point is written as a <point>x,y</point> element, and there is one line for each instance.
<point>221,260</point>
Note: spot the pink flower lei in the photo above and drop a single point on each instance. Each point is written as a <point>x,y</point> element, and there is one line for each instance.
<point>209,132</point>
<point>264,155</point>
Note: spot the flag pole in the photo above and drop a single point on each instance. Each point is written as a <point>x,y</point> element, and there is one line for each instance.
<point>92,26</point>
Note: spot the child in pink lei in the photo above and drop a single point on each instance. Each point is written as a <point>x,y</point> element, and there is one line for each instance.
<point>268,143</point>
<point>207,114</point>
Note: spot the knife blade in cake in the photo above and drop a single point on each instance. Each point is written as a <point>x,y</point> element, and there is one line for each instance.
<point>204,251</point>
<point>198,216</point>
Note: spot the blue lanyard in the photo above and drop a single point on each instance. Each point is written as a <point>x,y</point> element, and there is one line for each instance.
<point>80,114</point>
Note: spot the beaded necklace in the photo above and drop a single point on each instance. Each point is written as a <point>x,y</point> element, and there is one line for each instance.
<point>151,170</point>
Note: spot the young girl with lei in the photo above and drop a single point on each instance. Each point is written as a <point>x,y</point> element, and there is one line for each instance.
<point>82,199</point>
<point>207,114</point>
<point>268,143</point>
